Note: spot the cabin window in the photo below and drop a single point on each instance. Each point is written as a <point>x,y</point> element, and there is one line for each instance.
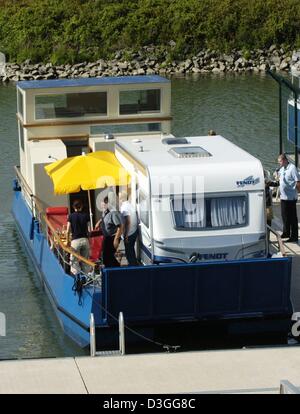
<point>20,103</point>
<point>144,208</point>
<point>210,213</point>
<point>125,129</point>
<point>140,101</point>
<point>21,135</point>
<point>70,105</point>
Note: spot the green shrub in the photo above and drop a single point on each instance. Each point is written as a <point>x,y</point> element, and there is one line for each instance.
<point>64,31</point>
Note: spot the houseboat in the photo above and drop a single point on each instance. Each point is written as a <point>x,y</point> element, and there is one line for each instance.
<point>200,201</point>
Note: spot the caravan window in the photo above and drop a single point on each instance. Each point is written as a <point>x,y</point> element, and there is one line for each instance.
<point>210,212</point>
<point>189,212</point>
<point>144,209</point>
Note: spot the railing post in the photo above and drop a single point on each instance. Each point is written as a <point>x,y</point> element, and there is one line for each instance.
<point>296,127</point>
<point>64,260</point>
<point>296,91</point>
<point>280,119</point>
<point>121,334</point>
<point>92,336</point>
<point>32,205</point>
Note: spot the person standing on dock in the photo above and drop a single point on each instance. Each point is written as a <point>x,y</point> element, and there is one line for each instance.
<point>289,184</point>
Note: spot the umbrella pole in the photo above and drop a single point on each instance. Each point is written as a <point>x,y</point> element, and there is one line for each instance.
<point>90,208</point>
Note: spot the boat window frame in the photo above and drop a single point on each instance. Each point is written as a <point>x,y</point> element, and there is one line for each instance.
<point>127,133</point>
<point>20,103</point>
<point>21,136</point>
<point>143,194</point>
<point>212,196</point>
<point>70,118</point>
<point>141,113</point>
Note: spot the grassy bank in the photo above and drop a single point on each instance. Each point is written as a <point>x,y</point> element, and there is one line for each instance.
<point>70,31</point>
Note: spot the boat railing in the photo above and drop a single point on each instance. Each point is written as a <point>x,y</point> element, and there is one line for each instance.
<point>55,240</point>
<point>59,243</point>
<point>279,242</point>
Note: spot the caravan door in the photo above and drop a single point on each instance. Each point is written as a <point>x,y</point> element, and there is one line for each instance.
<point>144,227</point>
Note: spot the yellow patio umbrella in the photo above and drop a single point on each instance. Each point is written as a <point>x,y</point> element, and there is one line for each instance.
<point>87,172</point>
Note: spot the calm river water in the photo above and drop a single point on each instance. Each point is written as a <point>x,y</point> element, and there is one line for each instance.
<point>243,108</point>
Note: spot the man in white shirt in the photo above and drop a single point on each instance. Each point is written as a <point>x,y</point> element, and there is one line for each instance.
<point>130,226</point>
<point>289,186</point>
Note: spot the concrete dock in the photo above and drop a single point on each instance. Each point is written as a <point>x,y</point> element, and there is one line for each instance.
<point>242,371</point>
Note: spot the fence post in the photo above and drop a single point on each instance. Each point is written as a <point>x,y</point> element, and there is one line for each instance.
<point>121,334</point>
<point>92,336</point>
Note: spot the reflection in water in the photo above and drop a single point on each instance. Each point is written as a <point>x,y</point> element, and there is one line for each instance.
<point>243,108</point>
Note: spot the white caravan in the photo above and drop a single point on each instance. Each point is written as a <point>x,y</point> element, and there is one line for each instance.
<point>198,198</point>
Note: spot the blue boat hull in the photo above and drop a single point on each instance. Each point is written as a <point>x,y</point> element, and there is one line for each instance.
<point>73,317</point>
<point>248,296</point>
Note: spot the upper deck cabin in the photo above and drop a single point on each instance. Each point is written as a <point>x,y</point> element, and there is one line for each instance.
<point>64,117</point>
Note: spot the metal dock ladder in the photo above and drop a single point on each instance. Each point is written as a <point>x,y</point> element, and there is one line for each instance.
<point>286,387</point>
<point>93,350</point>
